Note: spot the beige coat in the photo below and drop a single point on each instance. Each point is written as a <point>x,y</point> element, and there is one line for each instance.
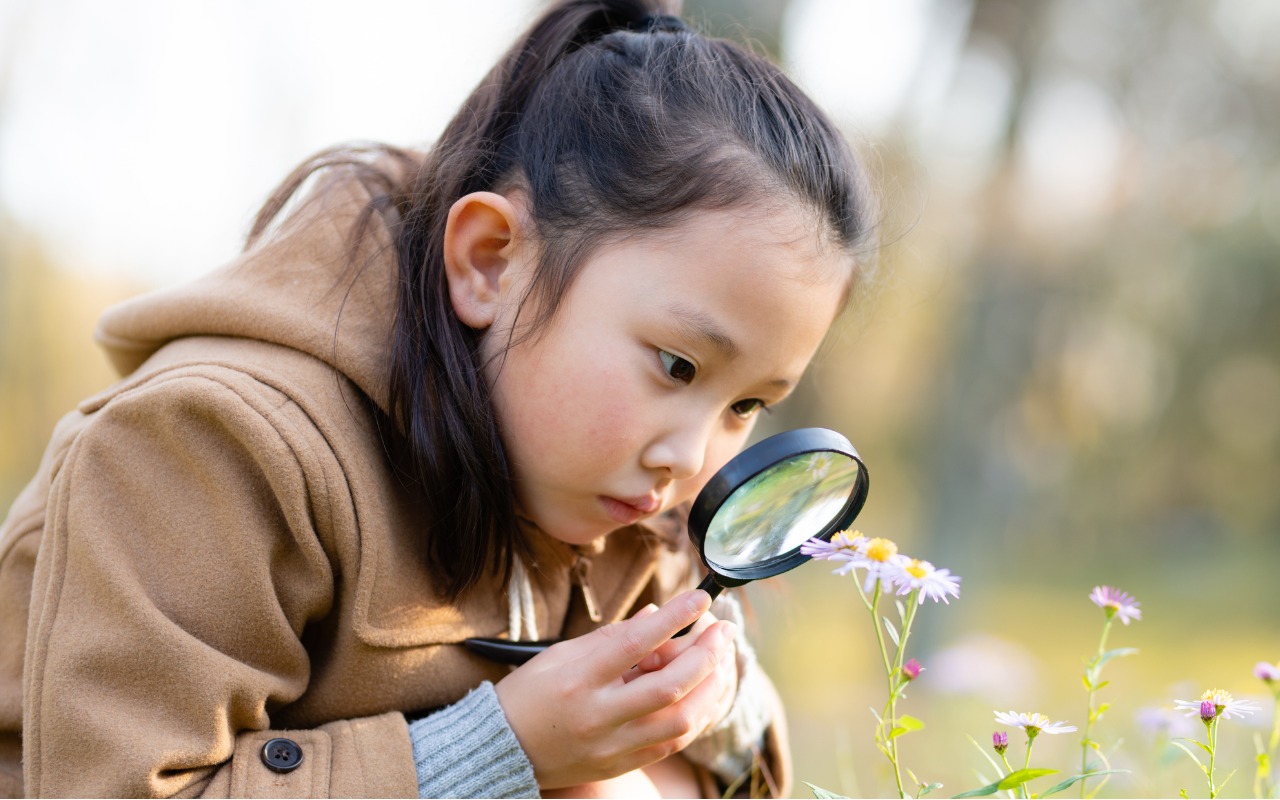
<point>214,550</point>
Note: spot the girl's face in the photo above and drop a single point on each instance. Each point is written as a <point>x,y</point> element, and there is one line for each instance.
<point>653,371</point>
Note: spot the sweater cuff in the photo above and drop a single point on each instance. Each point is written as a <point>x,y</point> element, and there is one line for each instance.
<point>469,750</point>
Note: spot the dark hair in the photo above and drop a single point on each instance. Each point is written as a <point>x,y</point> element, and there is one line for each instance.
<point>612,118</point>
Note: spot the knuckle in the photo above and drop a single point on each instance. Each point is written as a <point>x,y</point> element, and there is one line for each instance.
<point>682,725</point>
<point>711,660</point>
<point>670,748</point>
<point>623,637</point>
<point>631,645</point>
<point>667,694</point>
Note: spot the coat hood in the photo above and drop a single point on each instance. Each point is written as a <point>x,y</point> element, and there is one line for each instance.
<point>296,286</point>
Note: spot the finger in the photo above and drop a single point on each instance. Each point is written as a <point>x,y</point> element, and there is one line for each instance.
<point>679,723</point>
<point>654,691</point>
<point>622,645</point>
<point>640,669</point>
<point>645,611</point>
<point>668,650</point>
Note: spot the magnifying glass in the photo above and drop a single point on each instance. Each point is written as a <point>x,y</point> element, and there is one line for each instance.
<point>750,519</point>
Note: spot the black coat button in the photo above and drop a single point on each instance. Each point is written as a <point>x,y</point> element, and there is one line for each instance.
<point>281,755</point>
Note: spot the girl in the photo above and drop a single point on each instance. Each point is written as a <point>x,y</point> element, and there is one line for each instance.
<point>445,395</point>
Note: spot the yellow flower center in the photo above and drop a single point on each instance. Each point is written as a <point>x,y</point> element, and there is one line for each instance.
<point>846,539</point>
<point>881,549</point>
<point>1220,697</point>
<point>918,568</point>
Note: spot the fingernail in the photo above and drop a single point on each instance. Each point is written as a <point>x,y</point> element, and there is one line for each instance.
<point>728,630</point>
<point>695,601</point>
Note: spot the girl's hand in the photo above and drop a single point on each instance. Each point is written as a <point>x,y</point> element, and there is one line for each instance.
<point>577,718</point>
<point>670,649</point>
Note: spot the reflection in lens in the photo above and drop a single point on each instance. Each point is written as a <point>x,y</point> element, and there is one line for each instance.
<point>781,508</point>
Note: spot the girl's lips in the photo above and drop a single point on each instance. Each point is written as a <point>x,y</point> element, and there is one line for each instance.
<point>627,510</point>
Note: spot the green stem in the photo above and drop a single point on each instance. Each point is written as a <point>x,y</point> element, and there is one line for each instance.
<point>912,604</point>
<point>1026,764</point>
<point>874,607</point>
<point>896,683</point>
<point>887,718</point>
<point>1213,751</point>
<point>1264,786</point>
<point>1009,767</point>
<point>1092,673</point>
<point>1275,729</point>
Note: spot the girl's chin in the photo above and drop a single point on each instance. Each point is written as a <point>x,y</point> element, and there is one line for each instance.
<point>573,530</point>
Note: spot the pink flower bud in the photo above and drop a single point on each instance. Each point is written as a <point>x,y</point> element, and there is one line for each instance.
<point>1208,710</point>
<point>912,669</point>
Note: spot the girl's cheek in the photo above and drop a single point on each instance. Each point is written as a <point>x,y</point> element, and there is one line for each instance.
<point>610,411</point>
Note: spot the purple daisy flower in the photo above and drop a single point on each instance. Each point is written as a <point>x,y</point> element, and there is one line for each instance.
<point>1116,603</point>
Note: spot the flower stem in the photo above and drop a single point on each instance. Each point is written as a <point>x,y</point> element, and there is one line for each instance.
<point>873,605</point>
<point>1275,729</point>
<point>1091,674</point>
<point>895,686</point>
<point>884,730</point>
<point>1213,751</point>
<point>1266,787</point>
<point>1026,764</point>
<point>1009,767</point>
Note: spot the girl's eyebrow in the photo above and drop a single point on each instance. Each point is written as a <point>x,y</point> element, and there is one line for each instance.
<point>703,327</point>
<point>700,325</point>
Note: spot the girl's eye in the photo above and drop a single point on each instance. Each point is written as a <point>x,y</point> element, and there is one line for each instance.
<point>749,408</point>
<point>678,369</point>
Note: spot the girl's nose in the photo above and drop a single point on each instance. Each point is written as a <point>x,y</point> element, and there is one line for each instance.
<point>679,452</point>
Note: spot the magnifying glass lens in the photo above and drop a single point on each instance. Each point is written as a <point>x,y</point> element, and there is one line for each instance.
<point>780,509</point>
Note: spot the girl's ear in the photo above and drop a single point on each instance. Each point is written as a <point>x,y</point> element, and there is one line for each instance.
<point>482,239</point>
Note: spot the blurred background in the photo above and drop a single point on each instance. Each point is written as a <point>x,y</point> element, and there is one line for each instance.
<point>1065,370</point>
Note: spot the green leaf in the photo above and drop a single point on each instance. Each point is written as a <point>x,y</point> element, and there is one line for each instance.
<point>823,794</point>
<point>1102,709</point>
<point>1224,780</point>
<point>1117,653</point>
<point>910,723</point>
<point>1100,685</point>
<point>902,610</point>
<point>1019,777</point>
<point>898,731</point>
<point>985,753</point>
<point>1184,749</point>
<point>924,790</point>
<point>892,631</point>
<point>1203,747</point>
<point>1069,781</point>
<point>1087,684</point>
<point>1182,793</point>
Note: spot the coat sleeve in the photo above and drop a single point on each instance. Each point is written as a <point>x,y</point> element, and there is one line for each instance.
<point>179,567</point>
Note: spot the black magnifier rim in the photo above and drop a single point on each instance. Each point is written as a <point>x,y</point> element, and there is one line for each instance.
<point>751,462</point>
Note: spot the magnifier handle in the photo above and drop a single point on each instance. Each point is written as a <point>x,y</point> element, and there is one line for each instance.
<point>505,651</point>
<point>712,588</point>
